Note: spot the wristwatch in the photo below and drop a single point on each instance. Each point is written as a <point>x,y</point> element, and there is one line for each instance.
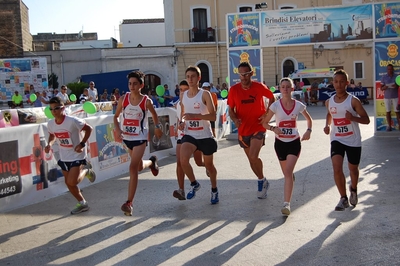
<point>158,125</point>
<point>82,144</point>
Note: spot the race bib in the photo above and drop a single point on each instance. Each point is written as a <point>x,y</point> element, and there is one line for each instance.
<point>288,128</point>
<point>131,127</point>
<point>343,127</point>
<point>194,124</point>
<point>64,139</point>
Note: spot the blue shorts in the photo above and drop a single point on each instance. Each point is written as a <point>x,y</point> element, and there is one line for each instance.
<point>66,166</point>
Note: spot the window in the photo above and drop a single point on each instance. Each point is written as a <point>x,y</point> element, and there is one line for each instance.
<point>200,18</point>
<point>288,67</point>
<point>359,70</point>
<point>245,9</point>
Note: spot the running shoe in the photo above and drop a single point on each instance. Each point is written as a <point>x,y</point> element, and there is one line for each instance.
<point>286,209</point>
<point>154,166</point>
<point>79,207</point>
<point>127,208</point>
<point>353,196</point>
<point>343,204</point>
<point>192,193</point>
<point>179,194</point>
<point>214,197</point>
<point>263,186</point>
<point>91,175</point>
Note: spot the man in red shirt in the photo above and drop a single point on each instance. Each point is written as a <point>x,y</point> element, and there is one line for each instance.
<point>247,109</point>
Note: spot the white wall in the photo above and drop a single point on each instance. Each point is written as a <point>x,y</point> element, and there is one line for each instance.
<point>146,34</point>
<point>87,44</point>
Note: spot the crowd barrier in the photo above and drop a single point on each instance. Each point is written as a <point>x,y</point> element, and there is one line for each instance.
<point>28,175</point>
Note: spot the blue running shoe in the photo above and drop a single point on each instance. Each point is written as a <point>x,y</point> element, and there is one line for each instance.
<point>263,186</point>
<point>214,197</point>
<point>192,193</point>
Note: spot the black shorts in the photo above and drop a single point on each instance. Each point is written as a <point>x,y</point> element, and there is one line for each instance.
<point>353,153</point>
<point>207,146</point>
<point>283,149</point>
<point>244,141</point>
<point>179,141</point>
<point>66,166</point>
<point>133,143</point>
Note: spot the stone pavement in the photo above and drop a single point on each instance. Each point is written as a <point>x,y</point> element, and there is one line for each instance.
<point>240,230</point>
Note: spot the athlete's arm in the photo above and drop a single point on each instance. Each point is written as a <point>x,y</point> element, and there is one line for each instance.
<point>307,133</point>
<point>328,119</point>
<point>150,107</point>
<point>50,142</point>
<point>357,106</point>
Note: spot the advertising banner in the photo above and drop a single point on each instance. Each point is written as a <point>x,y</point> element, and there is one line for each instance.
<point>19,73</point>
<point>235,57</point>
<point>243,30</point>
<point>386,52</point>
<point>387,20</point>
<point>306,26</point>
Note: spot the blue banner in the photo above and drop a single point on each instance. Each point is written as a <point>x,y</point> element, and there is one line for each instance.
<point>387,20</point>
<point>243,30</point>
<point>304,26</point>
<point>253,56</point>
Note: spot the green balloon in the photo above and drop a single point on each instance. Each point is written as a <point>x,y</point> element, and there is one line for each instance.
<point>398,80</point>
<point>33,97</point>
<point>224,93</point>
<point>72,97</point>
<point>227,79</point>
<point>304,89</point>
<point>272,89</point>
<point>48,113</point>
<point>160,90</point>
<point>161,100</point>
<point>89,107</point>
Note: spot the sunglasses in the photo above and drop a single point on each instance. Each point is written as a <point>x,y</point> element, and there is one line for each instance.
<point>56,108</point>
<point>245,74</point>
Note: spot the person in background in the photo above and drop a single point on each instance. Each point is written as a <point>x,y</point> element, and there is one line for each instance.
<point>213,89</point>
<point>116,93</point>
<point>207,86</point>
<point>67,130</point>
<point>352,85</point>
<point>44,98</point>
<point>84,96</point>
<point>167,97</point>
<point>153,96</point>
<point>39,100</point>
<point>247,109</point>
<point>93,92</point>
<point>104,97</point>
<point>114,102</point>
<point>344,114</point>
<point>177,90</point>
<point>287,137</point>
<point>390,90</point>
<point>17,100</point>
<point>64,96</point>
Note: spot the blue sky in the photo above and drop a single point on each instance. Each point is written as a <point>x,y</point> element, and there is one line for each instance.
<point>101,16</point>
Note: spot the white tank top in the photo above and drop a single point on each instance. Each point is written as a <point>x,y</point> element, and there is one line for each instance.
<point>286,120</point>
<point>197,128</point>
<point>134,119</point>
<point>343,130</point>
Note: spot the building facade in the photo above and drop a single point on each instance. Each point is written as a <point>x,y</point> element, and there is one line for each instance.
<point>135,32</point>
<point>197,28</point>
<point>52,41</point>
<point>15,36</point>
